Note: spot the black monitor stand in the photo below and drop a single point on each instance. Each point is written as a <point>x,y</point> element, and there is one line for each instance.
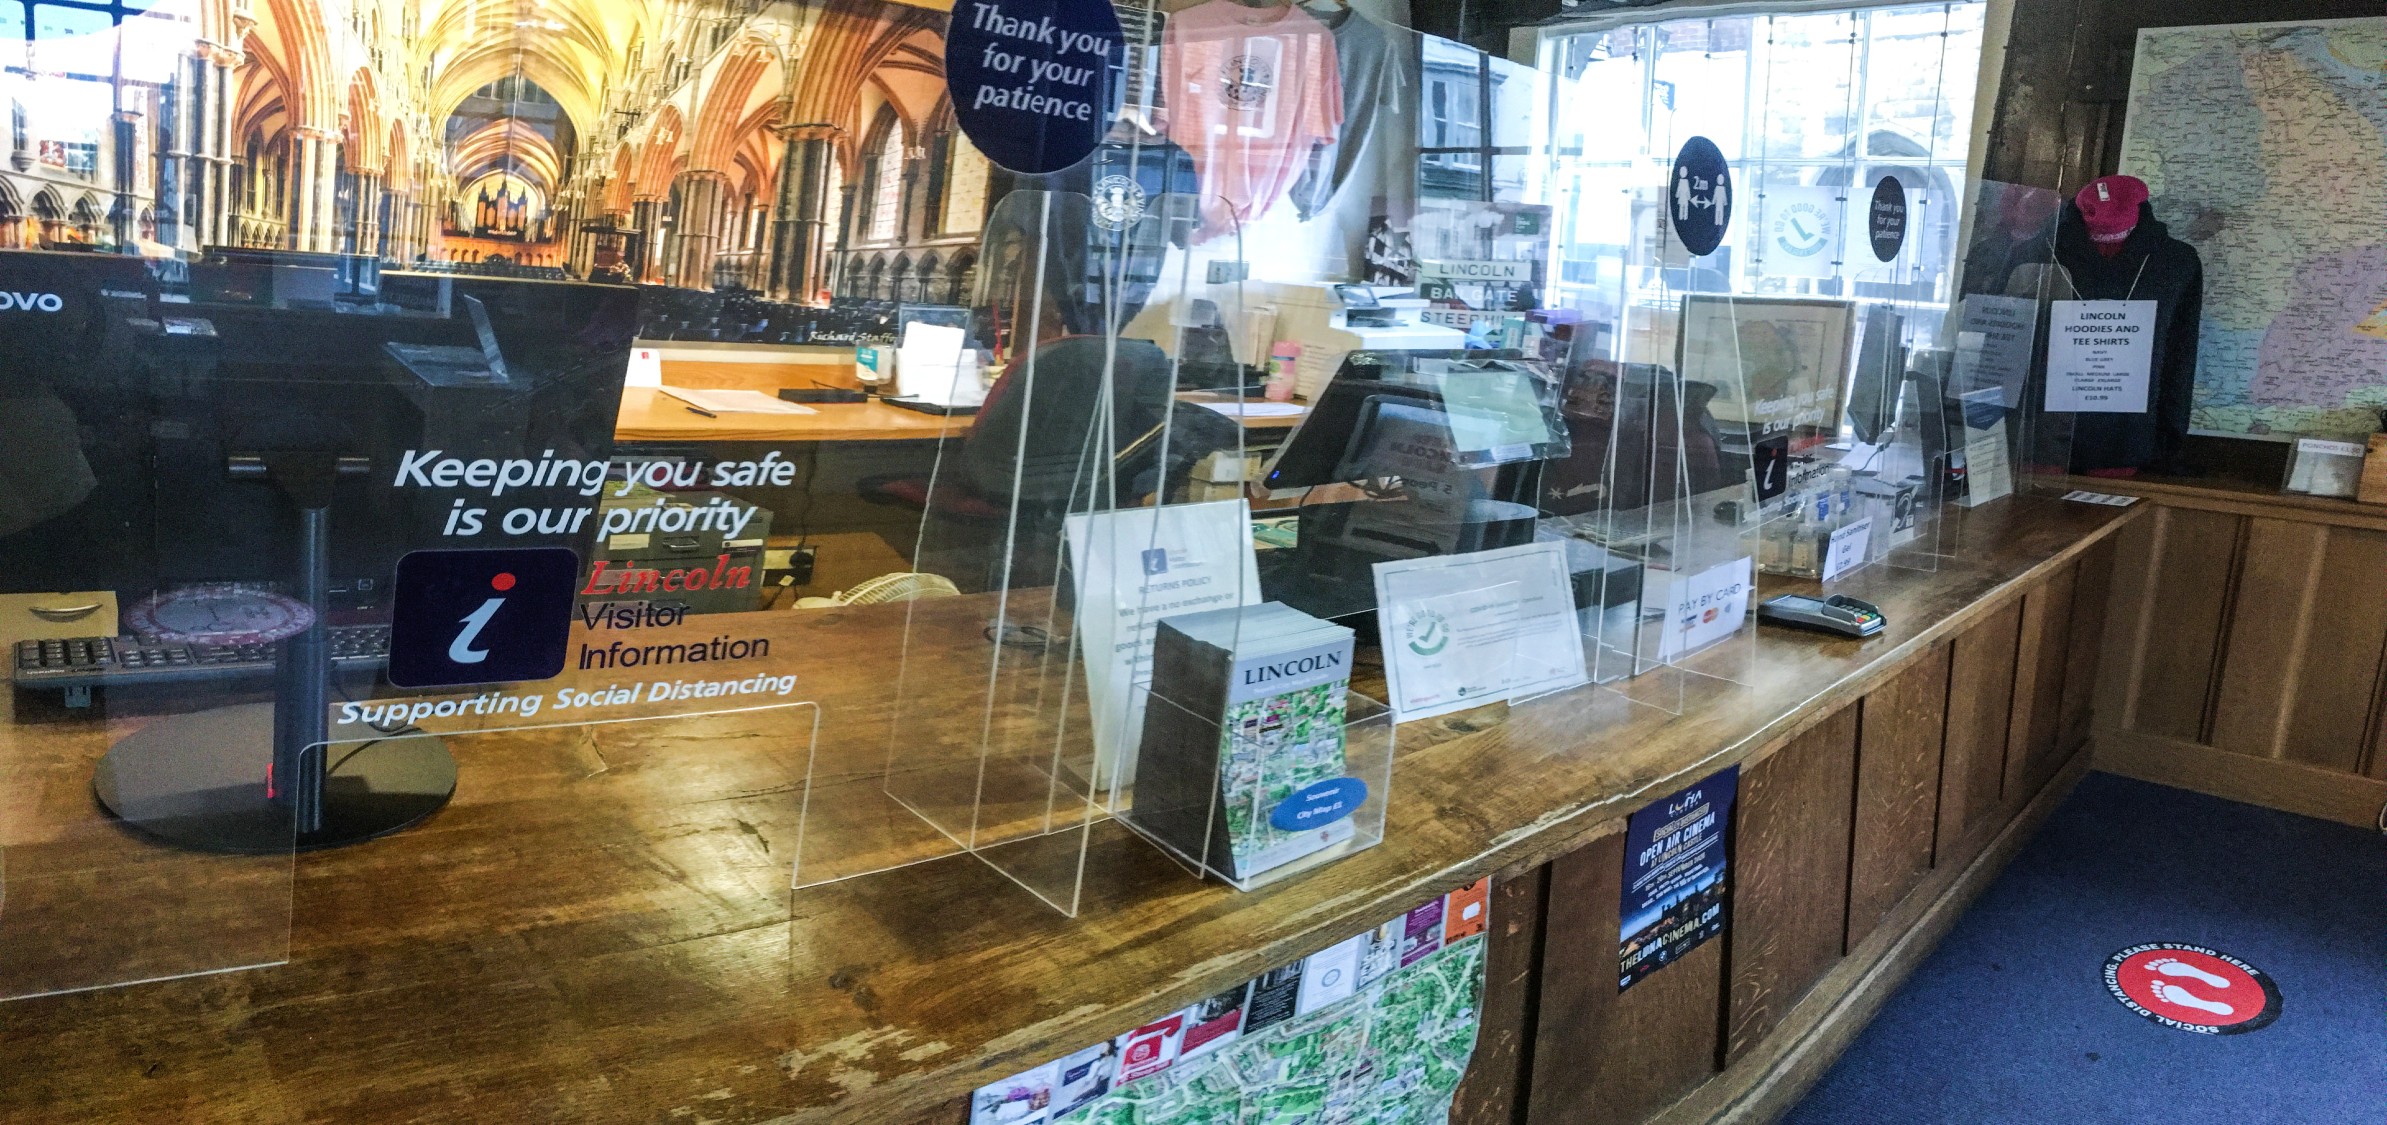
<point>252,778</point>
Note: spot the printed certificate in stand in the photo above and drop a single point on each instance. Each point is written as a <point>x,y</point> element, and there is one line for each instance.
<point>1462,630</point>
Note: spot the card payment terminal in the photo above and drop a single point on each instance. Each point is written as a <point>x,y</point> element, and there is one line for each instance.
<point>1836,614</point>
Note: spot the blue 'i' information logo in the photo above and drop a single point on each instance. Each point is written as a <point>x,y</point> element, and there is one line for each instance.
<point>481,616</point>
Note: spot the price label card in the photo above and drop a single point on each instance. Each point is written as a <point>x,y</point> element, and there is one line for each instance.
<point>2099,356</point>
<point>1703,608</point>
<point>1847,549</point>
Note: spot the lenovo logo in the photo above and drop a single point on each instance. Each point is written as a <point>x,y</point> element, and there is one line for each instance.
<point>30,302</point>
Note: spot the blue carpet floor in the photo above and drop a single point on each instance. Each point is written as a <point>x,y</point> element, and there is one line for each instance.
<point>2009,1022</point>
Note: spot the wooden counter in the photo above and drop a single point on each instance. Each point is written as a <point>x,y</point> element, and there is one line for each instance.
<point>598,928</point>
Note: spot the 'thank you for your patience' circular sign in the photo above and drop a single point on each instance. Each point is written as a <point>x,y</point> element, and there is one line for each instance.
<point>1031,80</point>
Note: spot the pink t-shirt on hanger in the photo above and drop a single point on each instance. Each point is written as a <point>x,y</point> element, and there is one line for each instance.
<point>1248,92</point>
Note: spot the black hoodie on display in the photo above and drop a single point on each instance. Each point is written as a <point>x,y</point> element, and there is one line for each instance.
<point>2153,266</point>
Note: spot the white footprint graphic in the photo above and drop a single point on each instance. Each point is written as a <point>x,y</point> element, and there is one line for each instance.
<point>2174,994</point>
<point>2172,968</point>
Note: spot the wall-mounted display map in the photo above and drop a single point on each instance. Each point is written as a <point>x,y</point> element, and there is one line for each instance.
<point>2265,147</point>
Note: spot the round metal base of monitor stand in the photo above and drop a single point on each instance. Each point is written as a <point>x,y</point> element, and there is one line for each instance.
<point>198,780</point>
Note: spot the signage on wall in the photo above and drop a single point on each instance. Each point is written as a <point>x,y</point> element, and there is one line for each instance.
<point>1031,80</point>
<point>2099,354</point>
<point>1699,197</point>
<point>2191,988</point>
<point>1674,876</point>
<point>1885,220</point>
<point>1802,231</point>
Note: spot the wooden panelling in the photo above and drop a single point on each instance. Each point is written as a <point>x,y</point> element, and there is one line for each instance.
<point>1763,1085</point>
<point>2271,783</point>
<point>2032,746</point>
<point>1602,1057</point>
<point>2250,625</point>
<point>1790,841</point>
<point>2337,675</point>
<point>2270,614</point>
<point>2192,558</point>
<point>1897,796</point>
<point>1493,1092</point>
<point>2376,767</point>
<point>2091,591</point>
<point>2129,621</point>
<point>1973,765</point>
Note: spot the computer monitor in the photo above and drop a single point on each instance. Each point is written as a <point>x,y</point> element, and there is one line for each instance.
<point>124,406</point>
<point>1467,430</point>
<point>1880,370</point>
<point>1492,408</point>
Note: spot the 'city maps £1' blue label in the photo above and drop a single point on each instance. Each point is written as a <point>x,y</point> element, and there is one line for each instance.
<point>1321,804</point>
<point>1032,81</point>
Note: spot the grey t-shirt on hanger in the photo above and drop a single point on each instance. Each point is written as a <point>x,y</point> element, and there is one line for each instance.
<point>1374,61</point>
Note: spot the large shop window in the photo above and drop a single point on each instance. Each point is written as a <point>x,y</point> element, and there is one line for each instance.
<point>1798,102</point>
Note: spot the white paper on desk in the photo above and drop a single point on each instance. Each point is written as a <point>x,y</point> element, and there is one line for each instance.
<point>1255,409</point>
<point>1463,630</point>
<point>736,402</point>
<point>1133,567</point>
<point>2105,498</point>
<point>646,368</point>
<point>937,345</point>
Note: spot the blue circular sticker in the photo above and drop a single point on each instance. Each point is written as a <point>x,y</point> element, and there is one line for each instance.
<point>1885,220</point>
<point>1315,806</point>
<point>1031,80</point>
<point>1699,198</point>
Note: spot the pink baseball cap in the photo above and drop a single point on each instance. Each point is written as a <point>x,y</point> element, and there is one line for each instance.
<point>2109,205</point>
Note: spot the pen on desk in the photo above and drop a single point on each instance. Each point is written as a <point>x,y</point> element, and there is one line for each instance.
<point>703,411</point>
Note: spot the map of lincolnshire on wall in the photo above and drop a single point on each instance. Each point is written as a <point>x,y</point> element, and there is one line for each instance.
<point>2265,147</point>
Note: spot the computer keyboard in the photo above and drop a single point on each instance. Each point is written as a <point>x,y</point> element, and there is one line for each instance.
<point>85,662</point>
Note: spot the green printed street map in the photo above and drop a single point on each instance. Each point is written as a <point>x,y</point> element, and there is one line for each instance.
<point>1390,1054</point>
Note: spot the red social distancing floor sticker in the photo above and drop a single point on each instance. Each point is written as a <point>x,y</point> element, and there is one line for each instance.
<point>2192,988</point>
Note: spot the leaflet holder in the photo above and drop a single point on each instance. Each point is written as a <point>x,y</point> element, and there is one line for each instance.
<point>1261,791</point>
<point>1662,563</point>
<point>1998,377</point>
<point>999,736</point>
